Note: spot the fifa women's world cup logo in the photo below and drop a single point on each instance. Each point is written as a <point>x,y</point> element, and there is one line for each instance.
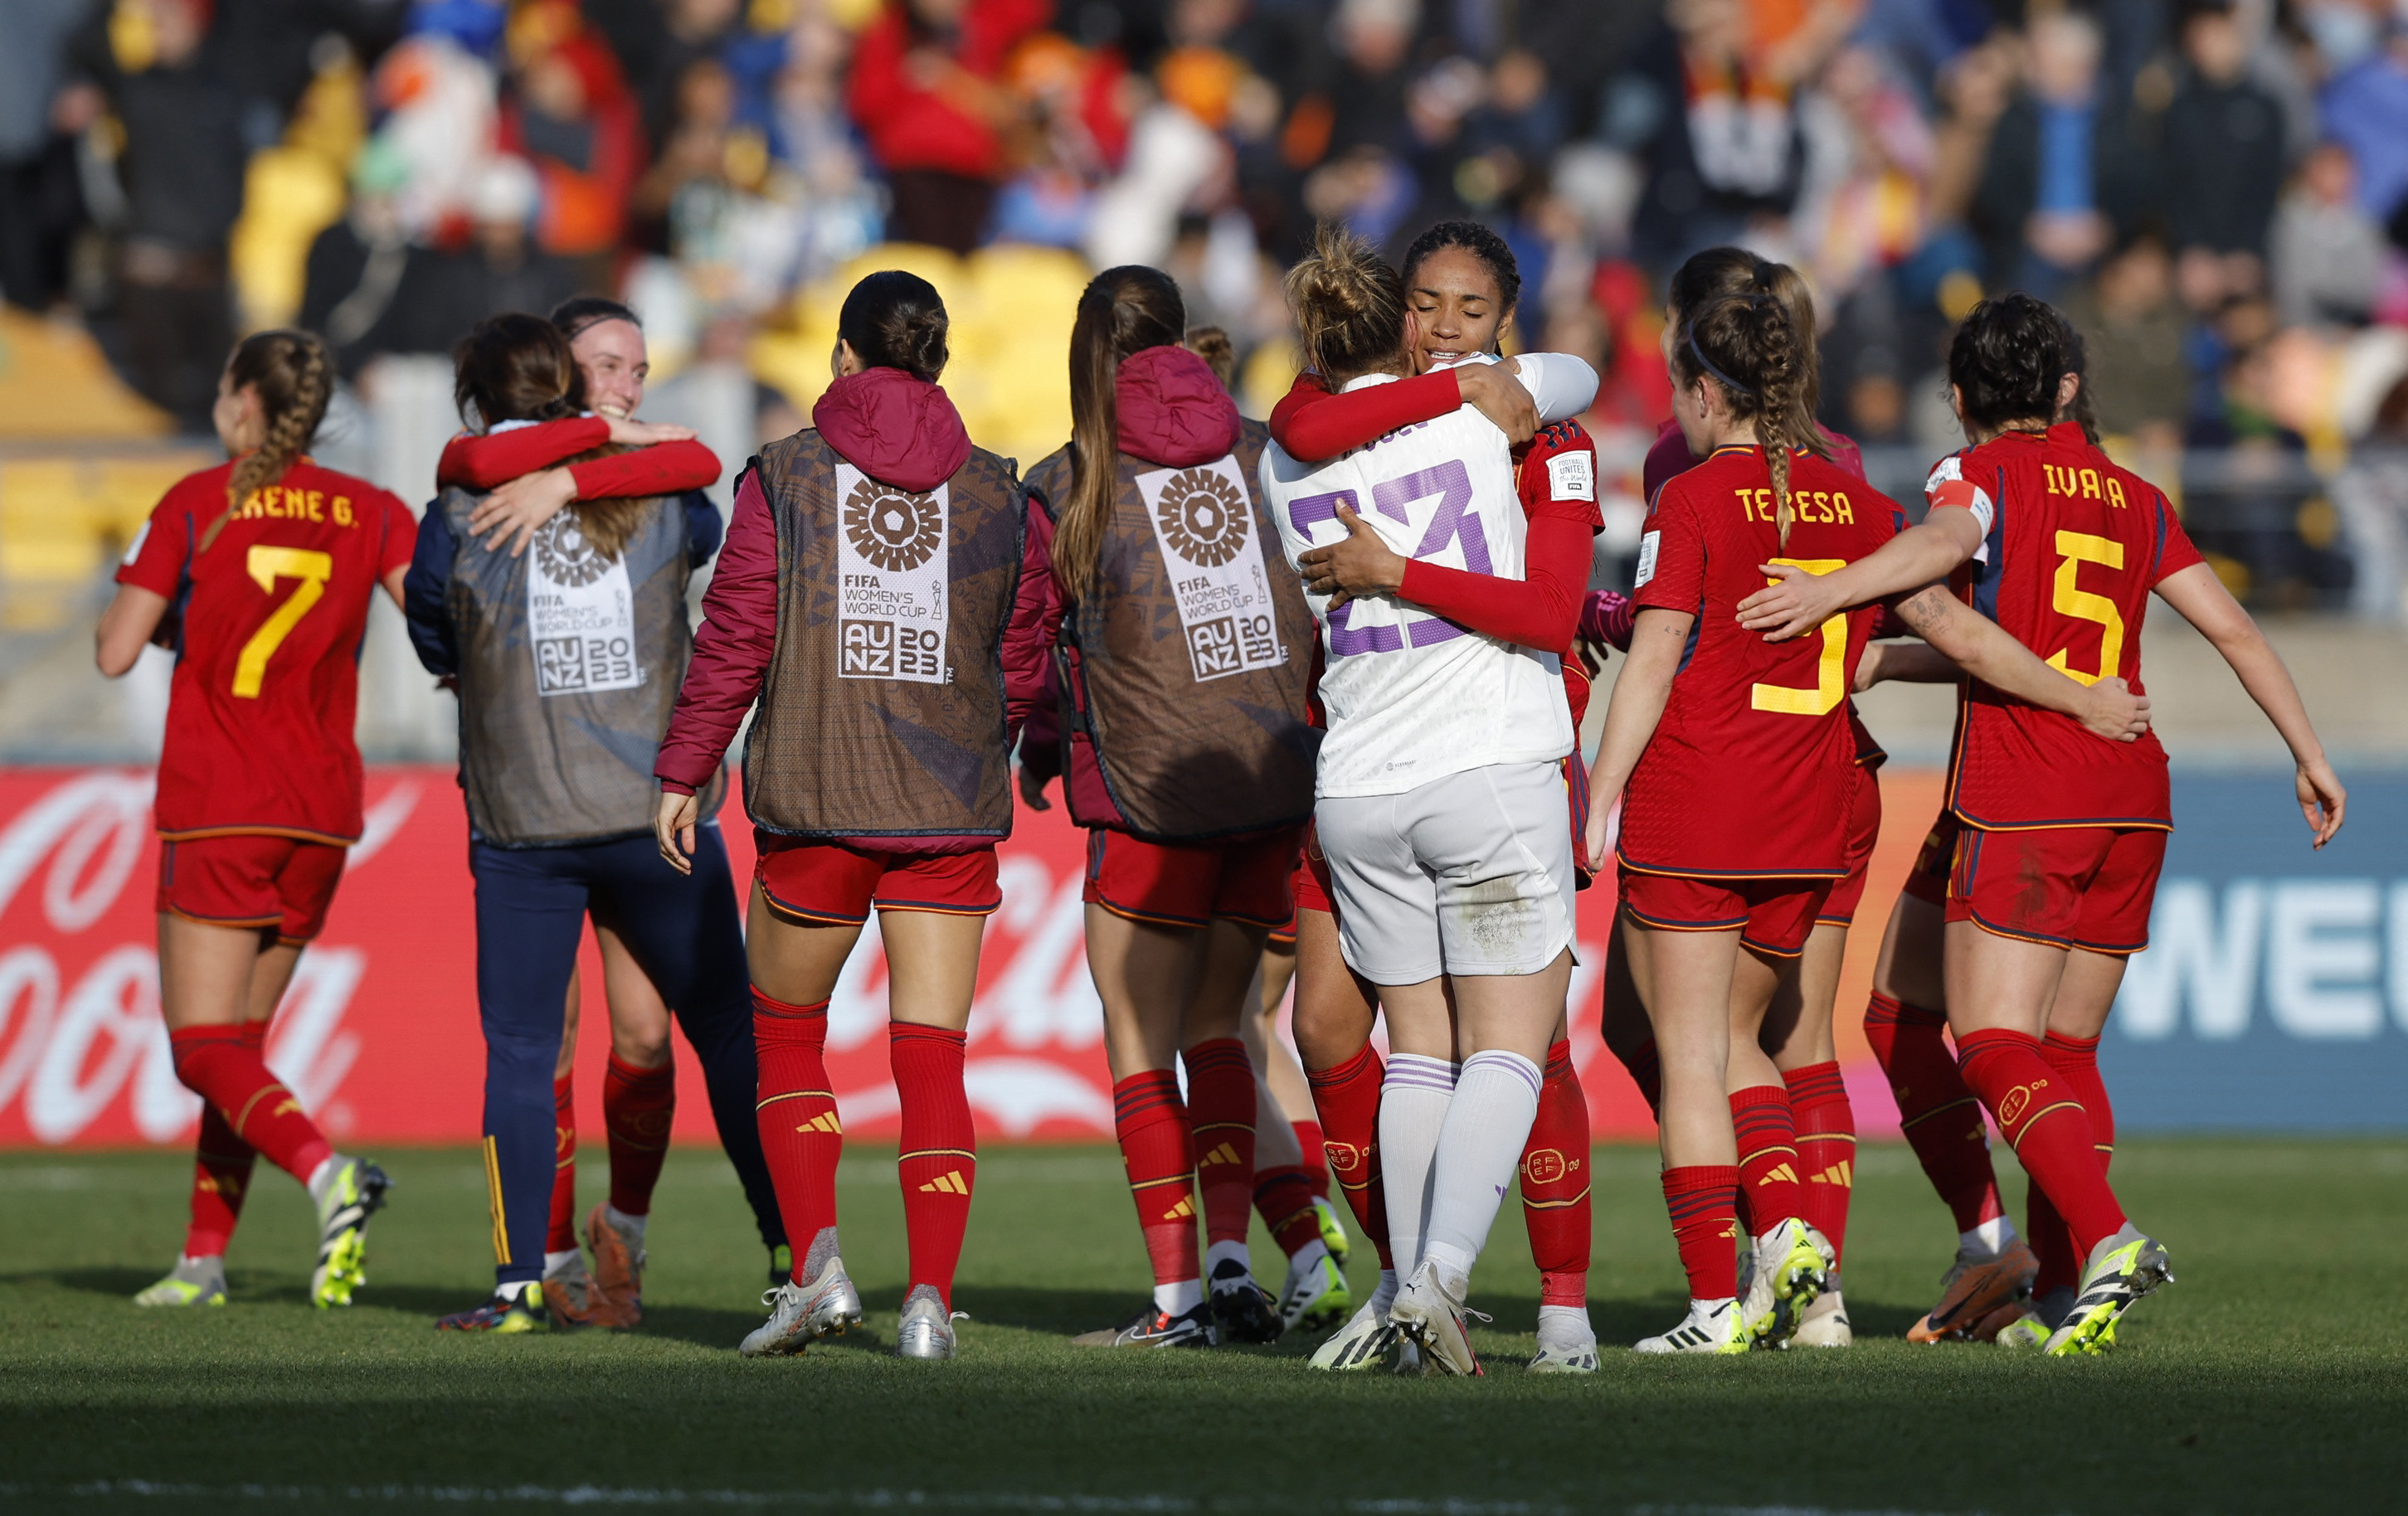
<point>563,554</point>
<point>1202,517</point>
<point>894,531</point>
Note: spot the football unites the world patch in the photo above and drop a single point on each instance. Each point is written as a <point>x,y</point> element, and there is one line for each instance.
<point>894,564</point>
<point>1204,523</point>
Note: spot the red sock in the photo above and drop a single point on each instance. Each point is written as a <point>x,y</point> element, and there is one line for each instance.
<point>1347,1099</point>
<point>1284,1197</point>
<point>1647,1072</point>
<point>801,1135</point>
<point>560,1234</point>
<point>1554,1183</point>
<point>1826,1147</point>
<point>1158,1151</point>
<point>1937,1112</point>
<point>2041,1119</point>
<point>939,1160</point>
<point>2077,1059</point>
<point>1221,1101</point>
<point>638,1107</point>
<point>222,1165</point>
<point>1315,1147</point>
<point>1705,1223</point>
<point>1767,1156</point>
<point>221,1066</point>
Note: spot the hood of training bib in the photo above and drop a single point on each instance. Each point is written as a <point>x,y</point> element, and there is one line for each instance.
<point>1171,409</point>
<point>895,428</point>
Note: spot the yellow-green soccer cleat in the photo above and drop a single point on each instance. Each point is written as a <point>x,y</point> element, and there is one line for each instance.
<point>1317,1294</point>
<point>506,1312</point>
<point>193,1281</point>
<point>2129,1271</point>
<point>1793,1265</point>
<point>350,1191</point>
<point>1333,1230</point>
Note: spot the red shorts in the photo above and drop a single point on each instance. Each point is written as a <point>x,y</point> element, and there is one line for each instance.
<point>252,879</point>
<point>829,884</point>
<point>2087,887</point>
<point>1310,883</point>
<point>1181,884</point>
<point>1927,881</point>
<point>1864,830</point>
<point>1772,916</point>
<point>1282,939</point>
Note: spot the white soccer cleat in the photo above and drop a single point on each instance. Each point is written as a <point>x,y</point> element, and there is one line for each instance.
<point>1824,1324</point>
<point>1316,1294</point>
<point>1567,1343</point>
<point>1361,1343</point>
<point>1430,1313</point>
<point>802,1314</point>
<point>927,1327</point>
<point>1711,1326</point>
<point>1793,1263</point>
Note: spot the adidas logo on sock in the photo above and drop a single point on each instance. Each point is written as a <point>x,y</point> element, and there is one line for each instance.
<point>1225,1154</point>
<point>946,1184</point>
<point>825,1122</point>
<point>1780,1171</point>
<point>1184,1211</point>
<point>1842,1174</point>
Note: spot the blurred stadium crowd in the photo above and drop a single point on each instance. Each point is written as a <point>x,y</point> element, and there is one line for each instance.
<point>2217,189</point>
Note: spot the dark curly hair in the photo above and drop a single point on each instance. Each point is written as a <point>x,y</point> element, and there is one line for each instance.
<point>2007,360</point>
<point>1480,241</point>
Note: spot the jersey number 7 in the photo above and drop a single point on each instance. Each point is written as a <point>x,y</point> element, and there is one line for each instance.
<point>265,565</point>
<point>1830,668</point>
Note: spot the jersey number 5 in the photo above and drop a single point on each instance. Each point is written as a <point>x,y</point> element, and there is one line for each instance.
<point>2073,550</point>
<point>265,565</point>
<point>1830,668</point>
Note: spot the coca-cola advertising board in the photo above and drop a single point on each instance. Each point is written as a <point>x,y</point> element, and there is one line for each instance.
<point>378,1033</point>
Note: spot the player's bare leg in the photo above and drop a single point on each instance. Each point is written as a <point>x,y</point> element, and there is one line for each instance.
<point>1791,1259</point>
<point>638,1103</point>
<point>1628,1033</point>
<point>1685,980</point>
<point>1796,1034</point>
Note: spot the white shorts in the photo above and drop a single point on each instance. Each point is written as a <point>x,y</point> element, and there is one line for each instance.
<point>1468,874</point>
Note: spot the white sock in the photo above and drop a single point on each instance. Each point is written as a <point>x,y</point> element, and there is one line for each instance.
<point>1221,1252</point>
<point>316,1183</point>
<point>1987,1241</point>
<point>1384,1295</point>
<point>1487,1125</point>
<point>629,1227</point>
<point>1413,1097</point>
<point>554,1261</point>
<point>1565,1323</point>
<point>1180,1298</point>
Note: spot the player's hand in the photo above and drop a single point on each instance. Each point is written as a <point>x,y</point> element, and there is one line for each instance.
<point>2116,713</point>
<point>2322,799</point>
<point>1867,669</point>
<point>1362,565</point>
<point>673,828</point>
<point>1593,837</point>
<point>515,510</point>
<point>1032,789</point>
<point>1795,606</point>
<point>1499,396</point>
<point>1592,655</point>
<point>636,434</point>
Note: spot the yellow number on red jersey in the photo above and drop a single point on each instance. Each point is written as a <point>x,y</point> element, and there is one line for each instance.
<point>1830,669</point>
<point>265,565</point>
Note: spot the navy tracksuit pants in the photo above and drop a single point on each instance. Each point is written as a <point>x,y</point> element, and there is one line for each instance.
<point>682,929</point>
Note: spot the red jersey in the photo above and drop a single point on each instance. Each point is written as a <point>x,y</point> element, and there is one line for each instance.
<point>2075,546</point>
<point>1749,773</point>
<point>260,715</point>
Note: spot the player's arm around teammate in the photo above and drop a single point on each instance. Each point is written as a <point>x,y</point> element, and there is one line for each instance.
<point>258,573</point>
<point>1188,761</point>
<point>883,511</point>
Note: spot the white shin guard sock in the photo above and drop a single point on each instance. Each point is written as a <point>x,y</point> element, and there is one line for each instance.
<point>1413,1099</point>
<point>1487,1125</point>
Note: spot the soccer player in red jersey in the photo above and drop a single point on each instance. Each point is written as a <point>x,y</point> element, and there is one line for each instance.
<point>258,573</point>
<point>1184,754</point>
<point>1735,770</point>
<point>2055,868</point>
<point>1462,285</point>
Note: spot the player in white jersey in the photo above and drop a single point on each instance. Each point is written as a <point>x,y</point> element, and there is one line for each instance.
<point>1438,803</point>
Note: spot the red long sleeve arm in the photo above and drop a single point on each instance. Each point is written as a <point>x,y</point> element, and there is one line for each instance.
<point>1537,611</point>
<point>731,650</point>
<point>1312,424</point>
<point>489,462</point>
<point>1030,691</point>
<point>663,468</point>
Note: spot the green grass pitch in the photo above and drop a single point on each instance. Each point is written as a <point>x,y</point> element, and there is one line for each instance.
<point>2274,1374</point>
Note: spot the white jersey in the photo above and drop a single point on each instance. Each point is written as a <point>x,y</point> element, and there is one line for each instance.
<point>1410,697</point>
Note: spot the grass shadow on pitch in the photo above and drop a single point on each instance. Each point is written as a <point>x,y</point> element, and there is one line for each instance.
<point>119,1284</point>
<point>1067,1313</point>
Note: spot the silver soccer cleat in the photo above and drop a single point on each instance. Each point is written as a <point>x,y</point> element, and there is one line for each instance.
<point>1432,1316</point>
<point>802,1314</point>
<point>927,1328</point>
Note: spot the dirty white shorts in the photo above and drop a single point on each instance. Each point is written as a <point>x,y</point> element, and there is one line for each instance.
<point>1468,874</point>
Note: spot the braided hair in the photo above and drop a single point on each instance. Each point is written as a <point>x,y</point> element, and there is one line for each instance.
<point>1749,348</point>
<point>290,372</point>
